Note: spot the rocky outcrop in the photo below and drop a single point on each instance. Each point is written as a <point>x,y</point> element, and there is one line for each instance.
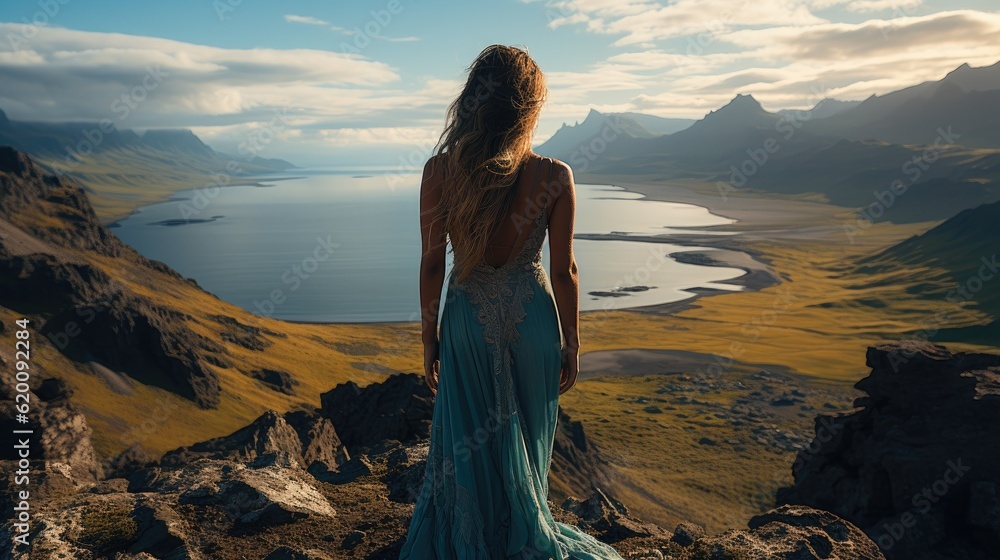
<point>60,434</point>
<point>917,467</point>
<point>398,409</point>
<point>286,487</point>
<point>126,333</point>
<point>788,533</point>
<point>577,464</point>
<point>304,437</point>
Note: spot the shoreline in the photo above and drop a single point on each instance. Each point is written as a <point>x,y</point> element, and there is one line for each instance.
<point>711,250</point>
<point>706,250</point>
<point>112,222</point>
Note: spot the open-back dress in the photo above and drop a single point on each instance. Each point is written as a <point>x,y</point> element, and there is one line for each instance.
<point>484,494</point>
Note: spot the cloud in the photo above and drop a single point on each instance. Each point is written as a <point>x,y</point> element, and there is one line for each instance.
<point>308,20</point>
<point>422,136</point>
<point>64,75</point>
<point>899,7</point>
<point>644,21</point>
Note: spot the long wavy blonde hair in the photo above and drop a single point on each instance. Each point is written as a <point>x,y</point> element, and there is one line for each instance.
<point>486,139</point>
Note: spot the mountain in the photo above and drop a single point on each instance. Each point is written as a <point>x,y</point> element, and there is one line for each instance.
<point>597,129</point>
<point>124,168</point>
<point>964,101</point>
<point>957,261</point>
<point>657,125</point>
<point>743,146</point>
<point>825,108</point>
<point>862,174</point>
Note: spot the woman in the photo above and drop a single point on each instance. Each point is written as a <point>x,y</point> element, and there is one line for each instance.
<point>509,342</point>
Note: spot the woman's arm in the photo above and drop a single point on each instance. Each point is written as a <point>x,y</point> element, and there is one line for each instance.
<point>565,282</point>
<point>432,267</point>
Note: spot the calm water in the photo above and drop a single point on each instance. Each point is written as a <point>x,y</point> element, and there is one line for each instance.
<point>344,246</point>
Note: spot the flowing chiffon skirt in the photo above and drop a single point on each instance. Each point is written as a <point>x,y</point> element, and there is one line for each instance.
<point>486,484</point>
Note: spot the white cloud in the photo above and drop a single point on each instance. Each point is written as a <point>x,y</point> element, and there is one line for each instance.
<point>308,20</point>
<point>643,21</point>
<point>423,136</point>
<point>72,75</point>
<point>898,7</point>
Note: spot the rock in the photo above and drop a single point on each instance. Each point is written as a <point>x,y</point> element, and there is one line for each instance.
<point>789,533</point>
<point>261,498</point>
<point>61,435</point>
<point>110,486</point>
<point>405,469</point>
<point>320,441</point>
<point>134,458</point>
<point>348,472</point>
<point>280,381</point>
<point>984,508</point>
<point>287,553</point>
<point>686,533</point>
<point>610,518</point>
<point>904,466</point>
<point>160,532</point>
<point>304,436</point>
<point>398,408</point>
<point>576,462</point>
<point>352,539</point>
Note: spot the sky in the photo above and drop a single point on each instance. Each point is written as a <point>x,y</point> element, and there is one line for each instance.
<point>367,82</point>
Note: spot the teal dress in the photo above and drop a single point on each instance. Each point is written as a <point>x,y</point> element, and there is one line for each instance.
<point>485,488</point>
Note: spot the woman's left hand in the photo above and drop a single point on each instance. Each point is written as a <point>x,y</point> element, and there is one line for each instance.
<point>432,366</point>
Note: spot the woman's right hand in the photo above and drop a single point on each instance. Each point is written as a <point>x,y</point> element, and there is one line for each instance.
<point>570,368</point>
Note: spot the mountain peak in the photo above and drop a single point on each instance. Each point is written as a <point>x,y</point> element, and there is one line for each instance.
<point>742,107</point>
<point>744,101</point>
<point>4,121</point>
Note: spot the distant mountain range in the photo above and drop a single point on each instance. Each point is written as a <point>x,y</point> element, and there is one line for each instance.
<point>600,129</point>
<point>965,101</point>
<point>121,167</point>
<point>938,143</point>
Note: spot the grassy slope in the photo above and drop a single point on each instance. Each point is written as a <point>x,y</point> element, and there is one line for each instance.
<point>121,180</point>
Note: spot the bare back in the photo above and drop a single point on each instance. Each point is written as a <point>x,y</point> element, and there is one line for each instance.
<point>531,197</point>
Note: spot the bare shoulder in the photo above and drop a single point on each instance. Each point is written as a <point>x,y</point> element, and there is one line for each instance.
<point>434,165</point>
<point>562,178</point>
<point>433,173</point>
